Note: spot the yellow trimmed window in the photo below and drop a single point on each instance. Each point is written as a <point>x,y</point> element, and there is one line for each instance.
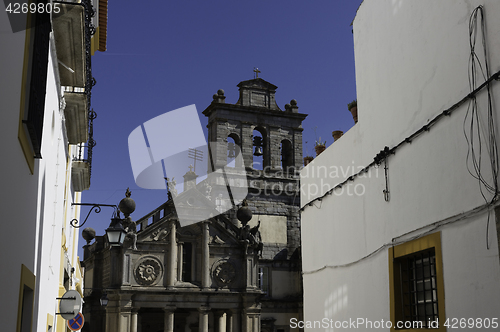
<point>416,285</point>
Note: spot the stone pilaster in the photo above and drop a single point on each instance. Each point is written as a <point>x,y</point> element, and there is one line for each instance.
<point>203,320</point>
<point>205,256</point>
<point>172,261</point>
<point>247,144</point>
<point>112,319</point>
<point>125,320</point>
<point>233,321</point>
<point>229,321</point>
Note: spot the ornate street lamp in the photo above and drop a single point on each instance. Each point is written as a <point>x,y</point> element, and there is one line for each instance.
<point>104,300</point>
<point>115,232</point>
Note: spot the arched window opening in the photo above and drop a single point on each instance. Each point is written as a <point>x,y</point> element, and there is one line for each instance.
<point>286,155</point>
<point>233,149</point>
<point>258,142</point>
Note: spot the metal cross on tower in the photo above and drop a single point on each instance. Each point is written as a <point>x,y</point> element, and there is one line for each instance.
<point>256,71</point>
<point>195,155</point>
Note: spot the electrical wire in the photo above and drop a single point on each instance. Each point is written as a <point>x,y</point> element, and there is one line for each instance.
<point>425,230</point>
<point>474,159</point>
<point>472,125</point>
<point>426,128</point>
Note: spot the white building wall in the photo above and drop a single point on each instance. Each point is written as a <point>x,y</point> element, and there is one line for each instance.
<point>54,208</point>
<point>19,186</point>
<point>36,205</point>
<point>411,64</point>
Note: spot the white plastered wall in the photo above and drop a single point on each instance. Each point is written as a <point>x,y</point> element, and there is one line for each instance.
<point>19,186</point>
<point>411,64</point>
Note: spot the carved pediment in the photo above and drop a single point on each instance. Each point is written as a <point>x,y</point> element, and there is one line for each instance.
<point>192,206</point>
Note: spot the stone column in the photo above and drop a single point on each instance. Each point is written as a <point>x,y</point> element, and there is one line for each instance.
<point>172,255</point>
<point>205,256</point>
<point>133,321</point>
<point>221,321</point>
<point>169,319</point>
<point>203,320</point>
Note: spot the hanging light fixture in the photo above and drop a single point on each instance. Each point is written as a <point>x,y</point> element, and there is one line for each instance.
<point>115,232</point>
<point>104,299</point>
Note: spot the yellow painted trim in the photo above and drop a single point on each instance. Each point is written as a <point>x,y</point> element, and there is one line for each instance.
<point>79,275</point>
<point>74,250</point>
<point>425,242</point>
<point>27,280</point>
<point>63,244</point>
<point>50,322</point>
<point>22,135</point>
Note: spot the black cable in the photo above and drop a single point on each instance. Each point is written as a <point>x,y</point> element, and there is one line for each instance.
<point>472,125</point>
<point>471,98</point>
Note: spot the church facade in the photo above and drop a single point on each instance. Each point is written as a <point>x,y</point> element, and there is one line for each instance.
<point>238,270</point>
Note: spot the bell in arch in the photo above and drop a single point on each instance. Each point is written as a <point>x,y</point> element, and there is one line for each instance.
<point>257,142</point>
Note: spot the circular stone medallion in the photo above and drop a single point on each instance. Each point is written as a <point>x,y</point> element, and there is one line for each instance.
<point>224,273</point>
<point>148,270</point>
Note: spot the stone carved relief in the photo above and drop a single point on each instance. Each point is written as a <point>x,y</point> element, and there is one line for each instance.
<point>148,270</point>
<point>159,234</point>
<point>216,239</point>
<point>224,272</point>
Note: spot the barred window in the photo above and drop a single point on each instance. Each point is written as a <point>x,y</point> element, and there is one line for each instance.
<point>418,293</point>
<point>416,285</point>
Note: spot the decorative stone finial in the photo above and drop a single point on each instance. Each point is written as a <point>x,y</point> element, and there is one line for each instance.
<point>244,214</point>
<point>219,97</point>
<point>88,234</point>
<point>292,107</point>
<point>127,204</point>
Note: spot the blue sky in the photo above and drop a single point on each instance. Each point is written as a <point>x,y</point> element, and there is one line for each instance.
<point>164,55</point>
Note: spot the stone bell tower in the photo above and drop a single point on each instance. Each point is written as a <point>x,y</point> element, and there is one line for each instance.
<point>270,141</point>
<point>256,110</point>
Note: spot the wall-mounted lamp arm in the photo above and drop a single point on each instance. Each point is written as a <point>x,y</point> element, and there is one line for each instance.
<point>97,208</point>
